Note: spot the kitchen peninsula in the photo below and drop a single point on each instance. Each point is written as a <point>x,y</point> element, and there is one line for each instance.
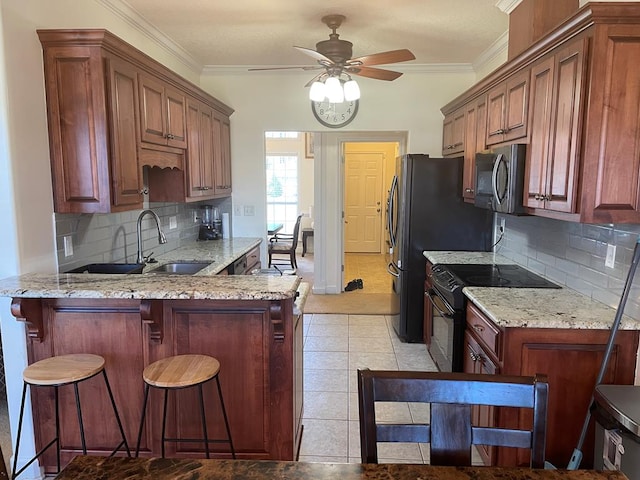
<point>251,324</point>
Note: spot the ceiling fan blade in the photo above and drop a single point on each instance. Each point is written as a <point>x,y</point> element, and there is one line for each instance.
<point>314,67</point>
<point>383,58</point>
<point>312,53</point>
<point>370,72</point>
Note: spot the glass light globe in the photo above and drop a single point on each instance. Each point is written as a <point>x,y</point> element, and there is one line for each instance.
<point>317,93</point>
<point>334,90</point>
<point>351,91</point>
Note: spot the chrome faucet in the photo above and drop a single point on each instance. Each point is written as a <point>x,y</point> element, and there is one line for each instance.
<point>161,238</point>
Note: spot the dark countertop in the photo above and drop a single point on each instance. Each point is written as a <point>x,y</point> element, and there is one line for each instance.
<point>101,468</point>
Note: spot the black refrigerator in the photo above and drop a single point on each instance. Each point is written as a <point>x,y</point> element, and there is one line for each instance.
<point>426,212</point>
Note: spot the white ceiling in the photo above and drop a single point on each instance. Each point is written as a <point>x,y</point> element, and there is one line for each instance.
<point>262,32</point>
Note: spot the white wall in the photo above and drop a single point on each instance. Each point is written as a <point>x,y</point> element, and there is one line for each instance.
<point>410,104</point>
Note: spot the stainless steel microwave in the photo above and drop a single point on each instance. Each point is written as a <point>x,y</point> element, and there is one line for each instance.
<point>499,182</point>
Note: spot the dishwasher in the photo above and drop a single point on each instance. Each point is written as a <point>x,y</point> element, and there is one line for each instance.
<point>616,409</point>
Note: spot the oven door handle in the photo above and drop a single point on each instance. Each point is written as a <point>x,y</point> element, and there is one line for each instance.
<point>439,304</point>
<point>393,269</point>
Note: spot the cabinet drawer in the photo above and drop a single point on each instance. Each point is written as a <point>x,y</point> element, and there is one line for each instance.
<point>483,329</point>
<point>253,256</point>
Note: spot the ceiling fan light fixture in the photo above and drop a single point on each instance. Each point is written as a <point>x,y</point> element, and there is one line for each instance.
<point>334,90</point>
<point>351,90</point>
<point>318,91</point>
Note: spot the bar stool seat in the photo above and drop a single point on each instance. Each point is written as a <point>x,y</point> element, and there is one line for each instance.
<point>183,371</point>
<point>56,372</point>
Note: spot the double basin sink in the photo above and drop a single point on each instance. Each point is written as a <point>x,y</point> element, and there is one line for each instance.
<point>169,268</point>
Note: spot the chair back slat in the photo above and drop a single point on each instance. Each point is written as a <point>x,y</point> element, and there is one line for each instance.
<point>452,395</point>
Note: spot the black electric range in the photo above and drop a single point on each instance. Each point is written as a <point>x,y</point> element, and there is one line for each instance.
<point>450,279</point>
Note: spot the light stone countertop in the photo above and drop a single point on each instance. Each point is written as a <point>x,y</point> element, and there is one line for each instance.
<point>435,257</point>
<point>203,285</point>
<point>532,307</point>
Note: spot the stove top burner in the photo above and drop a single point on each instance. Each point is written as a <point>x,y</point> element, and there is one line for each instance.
<point>450,279</point>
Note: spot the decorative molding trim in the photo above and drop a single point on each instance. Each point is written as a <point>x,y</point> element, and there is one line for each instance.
<point>508,6</point>
<point>29,311</point>
<point>151,314</point>
<point>495,49</point>
<point>277,322</point>
<point>414,68</point>
<point>135,20</point>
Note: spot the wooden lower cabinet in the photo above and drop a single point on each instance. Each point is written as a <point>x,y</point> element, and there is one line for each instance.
<point>259,346</point>
<point>571,359</point>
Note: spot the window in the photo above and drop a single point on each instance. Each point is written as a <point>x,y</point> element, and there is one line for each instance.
<point>281,134</point>
<point>282,190</point>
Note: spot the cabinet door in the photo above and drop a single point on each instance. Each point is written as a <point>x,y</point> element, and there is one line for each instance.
<point>507,105</point>
<point>126,175</point>
<point>564,147</point>
<point>474,141</point>
<point>222,154</point>
<point>517,103</point>
<point>176,126</point>
<point>152,111</point>
<point>542,76</point>
<point>200,181</point>
<point>453,133</point>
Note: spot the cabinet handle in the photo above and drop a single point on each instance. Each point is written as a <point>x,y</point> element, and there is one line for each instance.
<point>473,355</point>
<point>457,144</point>
<point>144,191</point>
<point>498,132</point>
<point>170,136</point>
<point>478,328</point>
<point>537,196</point>
<point>468,190</point>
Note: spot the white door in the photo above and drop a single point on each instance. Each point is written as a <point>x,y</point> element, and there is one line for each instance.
<point>363,209</point>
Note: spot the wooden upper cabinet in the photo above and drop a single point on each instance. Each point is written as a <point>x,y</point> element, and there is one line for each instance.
<point>222,154</point>
<point>453,130</point>
<point>611,187</point>
<point>200,165</point>
<point>94,167</point>
<point>474,141</point>
<point>555,109</point>
<point>507,106</point>
<point>162,113</point>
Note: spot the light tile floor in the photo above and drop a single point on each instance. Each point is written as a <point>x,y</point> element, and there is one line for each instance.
<point>335,347</point>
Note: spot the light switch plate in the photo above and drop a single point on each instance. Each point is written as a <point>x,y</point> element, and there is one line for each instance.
<point>611,256</point>
<point>68,246</point>
<point>249,211</point>
<point>173,222</point>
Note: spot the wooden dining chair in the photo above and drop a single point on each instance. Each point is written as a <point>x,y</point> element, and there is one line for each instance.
<point>285,244</point>
<point>450,432</point>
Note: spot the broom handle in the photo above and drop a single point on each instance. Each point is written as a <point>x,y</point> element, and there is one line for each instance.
<point>607,352</point>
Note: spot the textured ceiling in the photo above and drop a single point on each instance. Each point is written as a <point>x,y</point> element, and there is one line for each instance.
<point>262,32</point>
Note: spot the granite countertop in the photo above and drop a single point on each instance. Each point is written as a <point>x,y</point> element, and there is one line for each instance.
<point>435,257</point>
<point>202,285</point>
<point>99,468</point>
<point>532,307</point>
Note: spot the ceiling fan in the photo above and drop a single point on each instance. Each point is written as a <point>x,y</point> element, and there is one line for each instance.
<point>334,56</point>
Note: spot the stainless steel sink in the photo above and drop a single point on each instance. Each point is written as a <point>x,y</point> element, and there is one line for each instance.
<point>180,268</point>
<point>109,268</point>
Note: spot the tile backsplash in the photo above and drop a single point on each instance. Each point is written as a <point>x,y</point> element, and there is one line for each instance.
<point>573,255</point>
<point>99,238</point>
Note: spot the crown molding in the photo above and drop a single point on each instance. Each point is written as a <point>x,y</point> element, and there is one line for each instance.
<point>413,68</point>
<point>496,49</point>
<point>508,6</point>
<point>125,12</point>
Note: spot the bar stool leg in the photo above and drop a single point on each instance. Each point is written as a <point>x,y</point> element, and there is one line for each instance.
<point>79,410</point>
<point>226,420</point>
<point>115,411</point>
<point>15,454</point>
<point>57,404</point>
<point>164,418</point>
<point>204,422</point>
<point>144,410</point>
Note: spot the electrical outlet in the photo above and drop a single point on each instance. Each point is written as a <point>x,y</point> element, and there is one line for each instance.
<point>173,222</point>
<point>68,246</point>
<point>502,225</point>
<point>249,211</point>
<point>237,210</point>
<point>611,256</point>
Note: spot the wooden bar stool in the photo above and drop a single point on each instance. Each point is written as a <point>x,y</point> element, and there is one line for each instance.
<point>56,372</point>
<point>183,371</point>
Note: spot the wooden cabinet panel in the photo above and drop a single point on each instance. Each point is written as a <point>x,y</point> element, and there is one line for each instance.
<point>453,133</point>
<point>507,106</point>
<point>94,167</point>
<point>222,155</point>
<point>611,193</point>
<point>200,166</point>
<point>555,110</point>
<point>126,174</point>
<point>253,260</point>
<point>162,113</point>
<point>474,142</point>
